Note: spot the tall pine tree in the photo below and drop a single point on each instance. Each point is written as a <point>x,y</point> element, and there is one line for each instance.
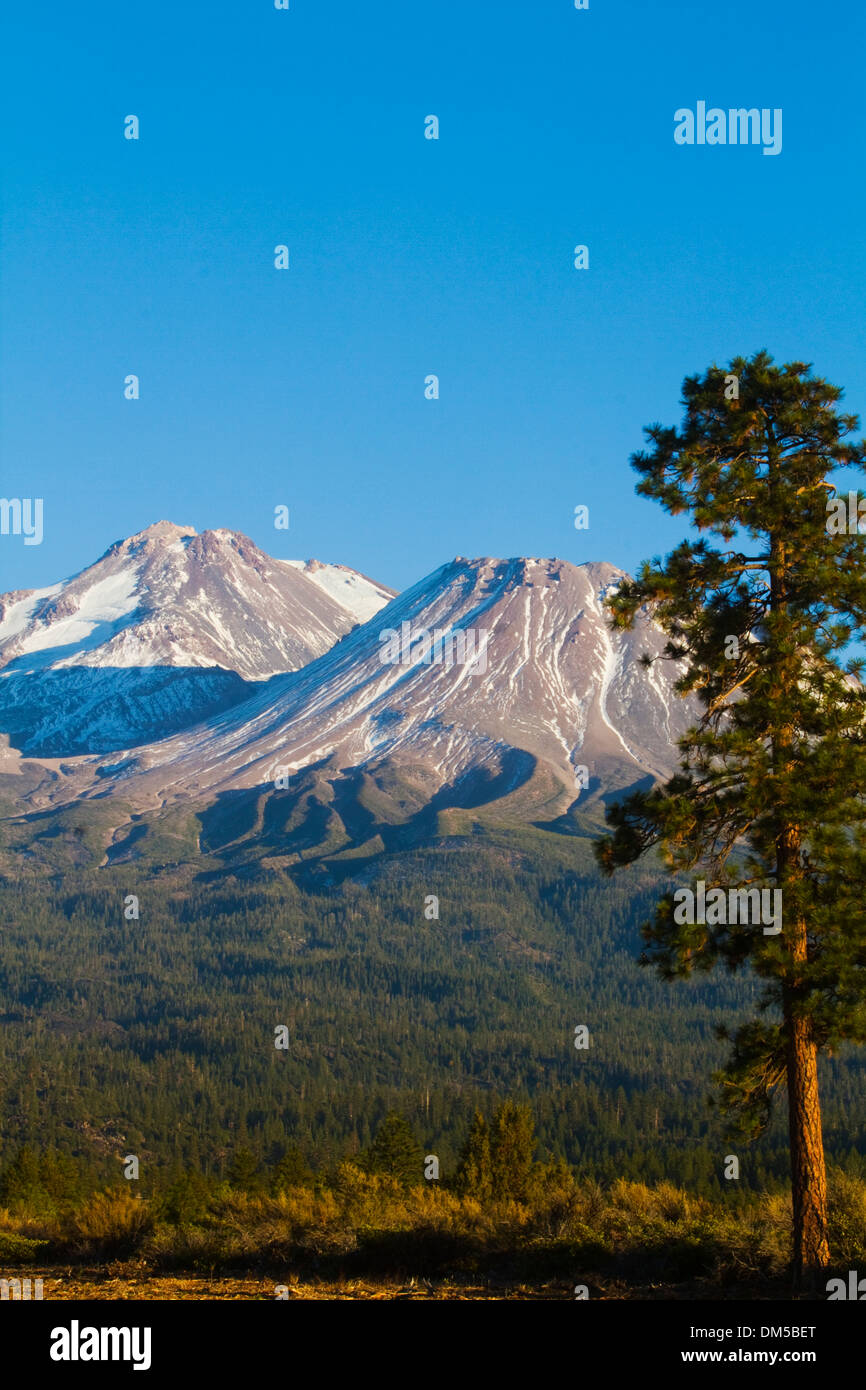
<point>474,1175</point>
<point>512,1142</point>
<point>496,1159</point>
<point>396,1151</point>
<point>770,791</point>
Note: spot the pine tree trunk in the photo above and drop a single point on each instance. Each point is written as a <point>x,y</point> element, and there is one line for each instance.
<point>808,1173</point>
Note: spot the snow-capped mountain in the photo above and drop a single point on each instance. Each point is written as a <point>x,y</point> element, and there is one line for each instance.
<point>552,681</point>
<point>489,682</point>
<point>165,629</point>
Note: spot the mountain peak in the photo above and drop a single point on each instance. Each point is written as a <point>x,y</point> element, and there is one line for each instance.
<point>533,677</point>
<point>160,530</point>
<point>166,528</point>
<point>488,681</point>
<point>175,623</point>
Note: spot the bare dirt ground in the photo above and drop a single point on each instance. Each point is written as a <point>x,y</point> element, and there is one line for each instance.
<point>120,1283</point>
<point>135,1282</point>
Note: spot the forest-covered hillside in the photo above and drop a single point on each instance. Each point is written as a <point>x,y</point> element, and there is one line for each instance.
<point>155,1035</point>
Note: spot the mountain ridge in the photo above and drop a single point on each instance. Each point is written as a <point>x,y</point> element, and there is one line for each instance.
<point>181,625</point>
<point>386,729</point>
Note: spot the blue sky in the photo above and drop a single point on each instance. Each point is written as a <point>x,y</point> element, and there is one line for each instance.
<point>408,257</point>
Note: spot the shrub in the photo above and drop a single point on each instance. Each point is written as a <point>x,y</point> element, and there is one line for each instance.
<point>847,1218</point>
<point>113,1222</point>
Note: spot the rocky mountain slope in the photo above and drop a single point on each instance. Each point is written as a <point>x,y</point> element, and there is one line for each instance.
<point>167,628</point>
<point>490,683</point>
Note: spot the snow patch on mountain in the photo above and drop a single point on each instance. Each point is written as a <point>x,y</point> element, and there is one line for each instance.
<point>100,607</point>
<point>360,596</point>
<point>17,612</point>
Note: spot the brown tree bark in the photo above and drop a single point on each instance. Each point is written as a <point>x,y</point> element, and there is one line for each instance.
<point>811,1252</point>
<point>808,1171</point>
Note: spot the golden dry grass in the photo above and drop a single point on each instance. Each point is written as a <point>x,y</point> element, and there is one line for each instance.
<point>70,1283</point>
